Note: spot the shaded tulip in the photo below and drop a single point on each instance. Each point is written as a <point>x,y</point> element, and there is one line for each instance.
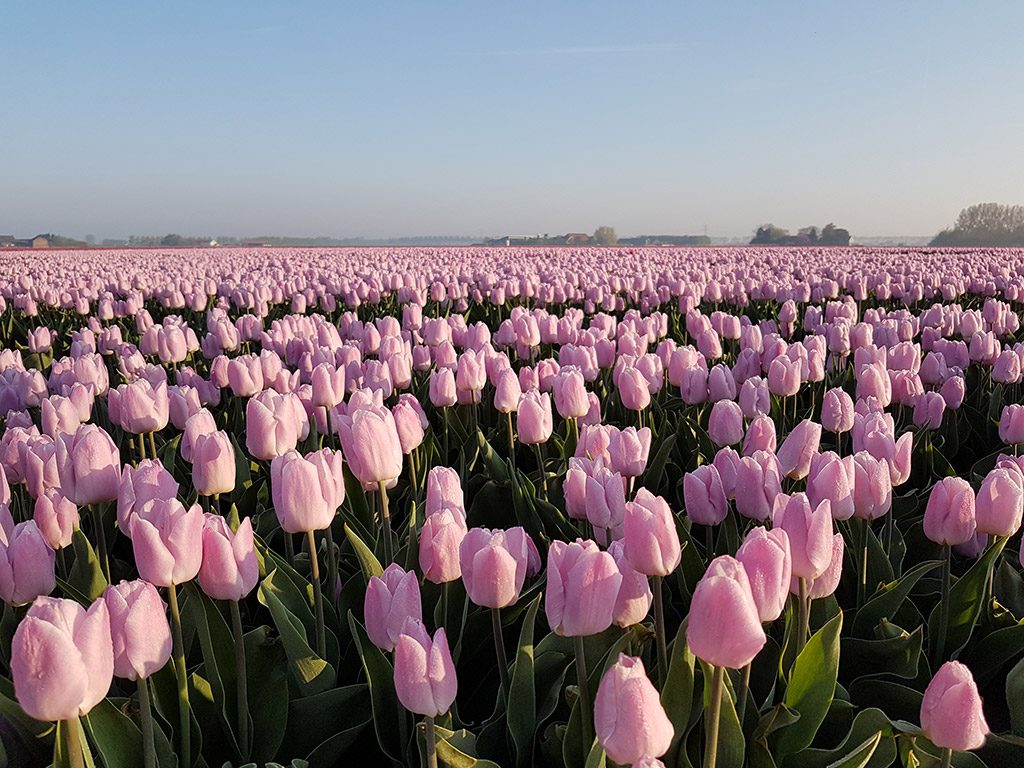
<point>798,449</point>
<point>168,541</point>
<point>139,630</point>
<point>390,599</point>
<point>628,450</point>
<point>444,490</point>
<point>582,586</point>
<point>633,602</point>
<point>810,533</point>
<point>56,517</point>
<point>837,411</point>
<point>951,710</point>
<point>1000,502</point>
<point>425,678</point>
<point>832,478</point>
<point>765,557</point>
<point>630,721</point>
<point>534,420</point>
<point>872,487</point>
<point>725,425</point>
<point>704,495</point>
<point>1011,424</point>
<point>724,627</point>
<point>26,564</point>
<point>230,568</point>
<point>828,581</point>
<point>140,485</point>
<point>213,464</point>
<point>89,466</point>
<point>649,534</point>
<point>758,483</point>
<point>62,658</point>
<point>949,516</point>
<point>494,565</point>
<point>440,539</point>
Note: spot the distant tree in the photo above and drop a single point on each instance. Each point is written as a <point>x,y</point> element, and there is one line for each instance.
<point>808,234</point>
<point>171,240</point>
<point>985,224</point>
<point>768,233</point>
<point>90,239</point>
<point>605,236</point>
<point>833,235</point>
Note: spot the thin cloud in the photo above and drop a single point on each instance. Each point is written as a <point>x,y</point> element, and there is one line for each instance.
<point>590,50</point>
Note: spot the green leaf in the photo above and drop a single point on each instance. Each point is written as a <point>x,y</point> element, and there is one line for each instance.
<point>811,687</point>
<point>597,757</point>
<point>266,671</point>
<point>866,725</point>
<point>731,742</point>
<point>217,646</point>
<point>887,600</point>
<point>522,704</point>
<point>1015,697</point>
<point>677,695</point>
<point>311,673</point>
<point>861,755</point>
<point>314,721</point>
<point>368,561</point>
<point>380,677</point>
<point>61,758</point>
<point>454,750</point>
<point>898,654</point>
<point>119,740</point>
<point>966,599</point>
<point>496,467</point>
<point>86,575</point>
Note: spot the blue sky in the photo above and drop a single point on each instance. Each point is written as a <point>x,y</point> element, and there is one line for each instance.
<point>403,118</point>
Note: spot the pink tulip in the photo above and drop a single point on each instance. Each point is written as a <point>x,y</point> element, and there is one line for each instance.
<point>628,450</point>
<point>837,411</point>
<point>872,487</point>
<point>213,464</point>
<point>26,564</point>
<point>534,422</point>
<point>444,490</point>
<point>391,599</point>
<point>724,627</point>
<point>1000,502</point>
<point>425,678</point>
<point>370,442</point>
<point>88,465</point>
<point>494,565</point>
<point>62,658</point>
<point>199,423</point>
<point>634,391</point>
<point>704,496</point>
<point>56,518</point>
<point>440,539</point>
<point>766,558</point>
<point>633,602</point>
<point>725,426</point>
<point>649,533</point>
<point>305,490</point>
<point>1011,424</point>
<point>810,533</point>
<point>832,478</point>
<point>799,448</point>
<point>758,483</point>
<point>167,540</point>
<point>949,517</point>
<point>139,631</point>
<point>140,485</point>
<point>229,570</point>
<point>583,584</point>
<point>630,721</point>
<point>951,710</point>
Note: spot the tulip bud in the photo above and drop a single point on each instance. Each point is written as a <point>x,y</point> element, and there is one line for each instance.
<point>704,495</point>
<point>26,564</point>
<point>724,627</point>
<point>425,678</point>
<point>583,584</point>
<point>766,558</point>
<point>951,711</point>
<point>649,533</point>
<point>633,602</point>
<point>440,539</point>
<point>798,449</point>
<point>230,569</point>
<point>390,599</point>
<point>213,464</point>
<point>494,565</point>
<point>949,517</point>
<point>140,633</point>
<point>809,530</point>
<point>167,540</point>
<point>630,721</point>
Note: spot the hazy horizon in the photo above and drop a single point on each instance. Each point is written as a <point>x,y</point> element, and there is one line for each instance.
<point>399,120</point>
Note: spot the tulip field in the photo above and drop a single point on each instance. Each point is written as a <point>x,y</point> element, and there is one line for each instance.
<point>512,507</point>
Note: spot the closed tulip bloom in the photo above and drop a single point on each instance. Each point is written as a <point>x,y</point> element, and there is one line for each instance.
<point>184,403</point>
<point>140,485</point>
<point>724,627</point>
<point>62,658</point>
<point>649,533</point>
<point>765,557</point>
<point>58,416</point>
<point>1011,424</point>
<point>832,478</point>
<point>949,517</point>
<point>755,397</point>
<point>583,584</point>
<point>39,467</point>
<point>407,424</point>
<point>799,448</point>
<point>929,408</point>
<point>809,530</point>
<point>872,487</point>
<point>328,385</point>
<point>628,450</point>
<point>440,539</point>
<point>827,582</point>
<point>213,464</point>
<point>26,564</point>
<point>303,493</point>
<point>634,391</point>
<point>139,630</point>
<point>444,490</point>
<point>760,436</point>
<point>199,423</point>
<point>425,678</point>
<point>951,710</point>
<point>390,599</point>
<point>953,391</point>
<point>784,376</point>
<point>725,425</point>
<point>630,722</point>
<point>442,388</point>
<point>837,411</point>
<point>370,442</point>
<point>89,466</point>
<point>1000,502</point>
<point>272,425</point>
<point>704,496</point>
<point>56,517</point>
<point>605,499</point>
<point>758,483</point>
<point>571,394</point>
<point>494,565</point>
<point>230,569</point>
<point>168,542</point>
<point>633,602</point>
<point>534,422</point>
<point>507,392</point>
<point>727,462</point>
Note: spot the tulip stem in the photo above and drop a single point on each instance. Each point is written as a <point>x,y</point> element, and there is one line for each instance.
<point>947,758</point>
<point>803,615</point>
<point>511,440</point>
<point>543,472</point>
<point>499,650</point>
<point>243,686</point>
<point>444,418</point>
<point>744,691</point>
<point>332,566</point>
<point>862,584</point>
<point>413,462</point>
<point>659,630</point>
<point>101,538</point>
<point>152,445</point>
<point>711,748</point>
<point>289,548</point>
<point>184,721</point>
<point>940,640</point>
<point>582,684</point>
<point>318,597</point>
<point>444,606</point>
<point>146,718</point>
<point>431,740</point>
<point>385,523</point>
<point>72,743</point>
